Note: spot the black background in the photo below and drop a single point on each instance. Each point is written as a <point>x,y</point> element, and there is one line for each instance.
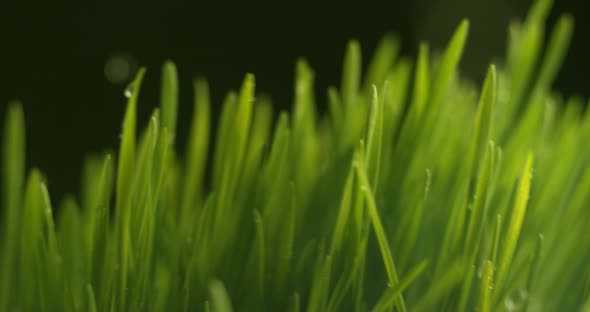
<point>53,54</point>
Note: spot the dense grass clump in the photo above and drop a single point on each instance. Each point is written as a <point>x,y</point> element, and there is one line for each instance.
<point>417,191</point>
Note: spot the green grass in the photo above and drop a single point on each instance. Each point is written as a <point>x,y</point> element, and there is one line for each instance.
<point>416,191</point>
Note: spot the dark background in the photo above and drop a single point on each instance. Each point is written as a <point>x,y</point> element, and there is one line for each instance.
<point>53,56</point>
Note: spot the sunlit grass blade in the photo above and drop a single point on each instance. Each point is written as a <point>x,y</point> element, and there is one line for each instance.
<point>293,211</point>
<point>514,225</point>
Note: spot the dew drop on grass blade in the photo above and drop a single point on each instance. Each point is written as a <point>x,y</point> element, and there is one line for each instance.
<point>486,288</point>
<point>125,173</point>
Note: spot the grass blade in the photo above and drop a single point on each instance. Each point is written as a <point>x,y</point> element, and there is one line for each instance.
<point>169,97</point>
<point>125,173</point>
<point>391,294</point>
<point>219,299</point>
<point>197,146</point>
<point>514,226</point>
<point>13,167</point>
<point>378,228</point>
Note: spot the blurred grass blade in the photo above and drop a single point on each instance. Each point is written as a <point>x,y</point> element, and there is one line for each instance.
<point>382,61</point>
<point>219,299</point>
<point>446,70</point>
<point>197,146</point>
<point>13,168</point>
<point>421,83</point>
<point>556,51</point>
<point>169,97</point>
<point>351,75</point>
<point>486,288</point>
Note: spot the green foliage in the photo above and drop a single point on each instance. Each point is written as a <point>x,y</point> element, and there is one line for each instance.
<point>415,192</point>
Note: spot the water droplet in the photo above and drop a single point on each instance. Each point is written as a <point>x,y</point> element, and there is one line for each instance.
<point>516,300</point>
<point>128,91</point>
